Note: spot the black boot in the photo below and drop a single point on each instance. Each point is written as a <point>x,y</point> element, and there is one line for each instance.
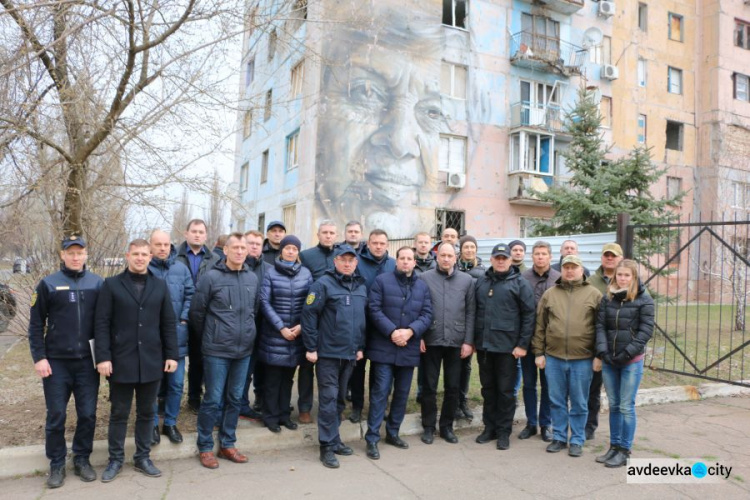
<point>611,452</point>
<point>328,457</point>
<point>619,459</point>
<point>56,476</point>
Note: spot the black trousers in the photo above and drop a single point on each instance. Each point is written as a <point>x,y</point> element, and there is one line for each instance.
<point>195,367</point>
<point>497,374</point>
<point>595,401</point>
<point>333,376</point>
<point>357,384</point>
<point>465,379</point>
<point>450,358</point>
<point>305,386</point>
<point>121,397</point>
<point>277,393</point>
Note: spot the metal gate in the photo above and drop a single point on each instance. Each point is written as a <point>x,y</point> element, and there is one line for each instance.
<point>698,274</point>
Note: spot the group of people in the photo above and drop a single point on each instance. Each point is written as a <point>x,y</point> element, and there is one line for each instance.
<point>253,312</point>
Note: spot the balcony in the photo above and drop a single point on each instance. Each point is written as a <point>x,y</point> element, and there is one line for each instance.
<point>535,116</point>
<point>521,184</point>
<point>563,6</point>
<point>545,53</point>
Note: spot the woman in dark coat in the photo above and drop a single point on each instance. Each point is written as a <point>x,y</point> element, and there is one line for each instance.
<point>624,326</point>
<point>280,347</point>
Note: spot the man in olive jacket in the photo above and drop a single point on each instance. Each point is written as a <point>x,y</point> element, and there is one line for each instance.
<point>224,308</point>
<point>564,344</point>
<point>135,343</point>
<point>503,328</point>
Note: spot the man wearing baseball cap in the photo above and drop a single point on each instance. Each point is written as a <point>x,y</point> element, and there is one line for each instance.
<point>333,331</point>
<point>611,256</point>
<point>275,232</point>
<point>503,326</point>
<point>61,324</point>
<point>563,344</point>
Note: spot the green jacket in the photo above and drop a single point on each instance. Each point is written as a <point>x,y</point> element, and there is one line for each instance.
<point>599,280</point>
<point>566,321</point>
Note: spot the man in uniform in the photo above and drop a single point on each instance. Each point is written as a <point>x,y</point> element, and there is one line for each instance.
<point>61,324</point>
<point>333,330</point>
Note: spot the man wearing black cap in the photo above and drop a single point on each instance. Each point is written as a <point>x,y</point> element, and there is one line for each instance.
<point>61,324</point>
<point>503,326</point>
<point>333,330</point>
<point>275,232</point>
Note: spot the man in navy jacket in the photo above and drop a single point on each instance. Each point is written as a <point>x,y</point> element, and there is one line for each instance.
<point>373,261</point>
<point>61,323</point>
<point>333,330</point>
<point>400,313</point>
<point>164,265</point>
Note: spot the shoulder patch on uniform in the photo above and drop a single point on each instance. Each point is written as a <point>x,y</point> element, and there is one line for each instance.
<point>310,299</point>
<point>33,299</point>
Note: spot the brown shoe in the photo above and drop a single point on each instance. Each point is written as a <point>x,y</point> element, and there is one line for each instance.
<point>232,455</point>
<point>208,460</point>
<point>305,417</point>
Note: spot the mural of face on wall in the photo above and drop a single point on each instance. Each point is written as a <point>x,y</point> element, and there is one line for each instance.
<point>380,119</point>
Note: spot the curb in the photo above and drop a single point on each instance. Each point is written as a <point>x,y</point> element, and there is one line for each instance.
<point>29,460</point>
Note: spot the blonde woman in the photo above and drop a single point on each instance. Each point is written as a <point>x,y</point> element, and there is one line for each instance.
<point>624,326</point>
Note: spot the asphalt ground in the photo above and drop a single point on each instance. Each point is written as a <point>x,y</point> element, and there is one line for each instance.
<point>716,430</point>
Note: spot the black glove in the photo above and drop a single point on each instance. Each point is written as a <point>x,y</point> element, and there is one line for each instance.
<point>621,359</point>
<point>607,358</point>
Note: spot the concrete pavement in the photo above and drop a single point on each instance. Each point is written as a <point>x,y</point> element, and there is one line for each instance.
<point>717,429</point>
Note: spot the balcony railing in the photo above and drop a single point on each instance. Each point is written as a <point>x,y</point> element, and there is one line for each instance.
<point>523,187</point>
<point>525,114</point>
<point>546,53</point>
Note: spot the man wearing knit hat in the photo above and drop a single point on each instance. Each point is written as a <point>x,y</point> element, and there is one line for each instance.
<point>517,253</point>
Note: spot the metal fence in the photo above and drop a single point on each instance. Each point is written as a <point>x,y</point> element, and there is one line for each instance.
<point>699,279</point>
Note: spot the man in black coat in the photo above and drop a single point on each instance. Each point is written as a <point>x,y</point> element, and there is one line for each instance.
<point>135,343</point>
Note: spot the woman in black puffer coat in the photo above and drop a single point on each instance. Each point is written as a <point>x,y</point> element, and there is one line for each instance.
<point>280,347</point>
<point>624,326</point>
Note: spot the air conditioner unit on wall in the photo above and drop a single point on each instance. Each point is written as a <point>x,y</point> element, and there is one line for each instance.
<point>456,180</point>
<point>610,72</point>
<point>606,9</point>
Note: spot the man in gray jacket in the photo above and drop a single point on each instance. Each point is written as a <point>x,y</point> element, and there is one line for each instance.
<point>448,340</point>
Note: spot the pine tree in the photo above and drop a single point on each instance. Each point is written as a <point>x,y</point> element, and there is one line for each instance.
<point>600,189</point>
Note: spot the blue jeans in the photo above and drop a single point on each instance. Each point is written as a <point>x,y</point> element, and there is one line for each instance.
<point>76,377</point>
<point>621,384</point>
<point>530,375</point>
<point>221,375</point>
<point>385,376</point>
<point>171,386</point>
<point>569,380</point>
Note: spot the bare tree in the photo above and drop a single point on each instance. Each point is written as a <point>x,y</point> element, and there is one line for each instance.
<point>214,216</point>
<point>182,216</point>
<point>85,79</point>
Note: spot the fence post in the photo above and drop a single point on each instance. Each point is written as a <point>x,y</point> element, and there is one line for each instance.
<point>625,234</point>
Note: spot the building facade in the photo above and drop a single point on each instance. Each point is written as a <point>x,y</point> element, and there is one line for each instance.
<point>418,115</point>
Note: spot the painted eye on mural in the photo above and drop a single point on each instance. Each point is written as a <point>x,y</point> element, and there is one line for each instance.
<point>367,93</point>
<point>429,113</point>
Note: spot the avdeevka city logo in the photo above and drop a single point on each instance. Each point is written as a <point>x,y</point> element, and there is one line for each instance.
<point>671,470</point>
